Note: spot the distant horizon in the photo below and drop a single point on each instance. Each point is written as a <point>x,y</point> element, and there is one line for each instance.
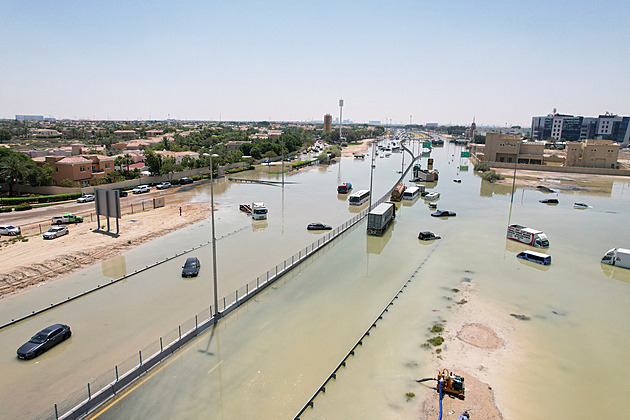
<point>408,61</point>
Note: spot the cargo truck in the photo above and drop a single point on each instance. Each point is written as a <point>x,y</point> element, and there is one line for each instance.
<point>259,211</point>
<point>528,236</point>
<point>619,257</point>
<point>344,188</point>
<point>380,217</point>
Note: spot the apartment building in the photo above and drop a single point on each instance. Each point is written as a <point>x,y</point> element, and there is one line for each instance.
<point>575,128</point>
<point>591,153</point>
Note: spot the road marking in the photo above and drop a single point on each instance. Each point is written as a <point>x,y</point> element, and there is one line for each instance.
<point>215,366</point>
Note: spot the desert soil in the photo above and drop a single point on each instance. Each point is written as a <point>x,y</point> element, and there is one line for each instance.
<point>37,260</point>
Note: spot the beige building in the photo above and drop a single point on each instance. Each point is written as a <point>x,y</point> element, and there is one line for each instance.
<point>154,133</point>
<point>80,170</point>
<point>593,154</point>
<point>507,148</point>
<point>124,134</point>
<point>235,145</point>
<point>327,123</point>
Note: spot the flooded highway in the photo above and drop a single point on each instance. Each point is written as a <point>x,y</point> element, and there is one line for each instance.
<point>268,357</point>
<point>265,360</point>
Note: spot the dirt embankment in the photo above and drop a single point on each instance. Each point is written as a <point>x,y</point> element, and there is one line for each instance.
<point>30,262</point>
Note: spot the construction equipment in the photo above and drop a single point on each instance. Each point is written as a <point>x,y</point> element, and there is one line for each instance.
<point>451,384</point>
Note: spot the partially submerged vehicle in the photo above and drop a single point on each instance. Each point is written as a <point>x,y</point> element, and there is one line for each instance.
<point>550,201</point>
<point>428,236</point>
<point>537,257</point>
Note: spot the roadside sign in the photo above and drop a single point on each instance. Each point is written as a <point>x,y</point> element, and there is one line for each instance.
<point>465,154</point>
<point>463,168</point>
<point>426,144</point>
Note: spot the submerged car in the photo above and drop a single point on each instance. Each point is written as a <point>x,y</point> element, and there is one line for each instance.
<point>428,236</point>
<point>191,267</point>
<point>44,340</point>
<point>86,198</point>
<point>10,230</point>
<point>318,226</point>
<point>185,181</point>
<point>56,232</point>
<point>443,213</point>
<point>550,201</point>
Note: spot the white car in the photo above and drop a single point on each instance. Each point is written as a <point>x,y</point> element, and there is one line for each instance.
<point>9,230</point>
<point>141,189</point>
<point>56,232</point>
<point>85,198</point>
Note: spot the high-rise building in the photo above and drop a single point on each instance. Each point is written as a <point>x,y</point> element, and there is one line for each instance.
<point>571,128</point>
<point>327,123</point>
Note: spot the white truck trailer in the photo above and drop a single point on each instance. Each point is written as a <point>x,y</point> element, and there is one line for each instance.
<point>380,217</point>
<point>528,236</point>
<point>619,257</point>
<point>259,211</point>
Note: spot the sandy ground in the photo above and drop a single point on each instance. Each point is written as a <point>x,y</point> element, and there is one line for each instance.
<point>38,260</point>
<point>560,181</point>
<point>351,149</point>
<point>476,346</point>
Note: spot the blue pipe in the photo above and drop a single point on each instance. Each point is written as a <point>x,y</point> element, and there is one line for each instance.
<point>440,390</point>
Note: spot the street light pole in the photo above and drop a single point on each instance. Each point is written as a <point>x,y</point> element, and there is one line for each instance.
<point>216,314</point>
<point>371,175</point>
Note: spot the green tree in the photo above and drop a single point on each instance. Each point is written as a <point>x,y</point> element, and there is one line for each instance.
<point>168,165</point>
<point>13,170</point>
<point>67,183</point>
<point>153,161</point>
<point>5,135</point>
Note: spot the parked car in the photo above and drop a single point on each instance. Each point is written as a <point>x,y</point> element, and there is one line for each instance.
<point>122,193</point>
<point>10,230</point>
<point>318,226</point>
<point>163,185</point>
<point>443,213</point>
<point>141,189</point>
<point>550,201</point>
<point>86,198</point>
<point>191,267</point>
<point>56,232</point>
<point>185,181</point>
<point>428,236</point>
<point>44,340</point>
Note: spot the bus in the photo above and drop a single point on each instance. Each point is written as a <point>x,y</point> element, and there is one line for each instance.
<point>411,193</point>
<point>537,257</point>
<point>359,198</point>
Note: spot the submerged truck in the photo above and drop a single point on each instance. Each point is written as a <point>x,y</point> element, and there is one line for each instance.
<point>259,211</point>
<point>528,236</point>
<point>619,257</point>
<point>380,217</point>
<point>397,192</point>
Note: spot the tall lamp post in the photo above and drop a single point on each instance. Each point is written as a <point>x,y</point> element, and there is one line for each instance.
<point>216,314</point>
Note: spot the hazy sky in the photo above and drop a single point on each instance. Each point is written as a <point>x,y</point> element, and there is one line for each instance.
<point>438,61</point>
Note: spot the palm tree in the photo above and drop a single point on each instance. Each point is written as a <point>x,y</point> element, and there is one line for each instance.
<point>13,170</point>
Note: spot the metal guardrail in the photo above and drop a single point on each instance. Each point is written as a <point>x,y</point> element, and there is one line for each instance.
<point>99,390</point>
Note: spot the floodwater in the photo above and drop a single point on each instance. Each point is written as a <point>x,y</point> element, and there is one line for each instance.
<point>268,357</point>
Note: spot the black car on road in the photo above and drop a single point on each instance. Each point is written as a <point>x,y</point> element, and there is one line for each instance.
<point>44,340</point>
<point>318,226</point>
<point>185,181</point>
<point>191,267</point>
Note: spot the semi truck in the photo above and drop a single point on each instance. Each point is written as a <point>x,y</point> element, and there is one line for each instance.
<point>380,218</point>
<point>619,257</point>
<point>259,211</point>
<point>397,192</point>
<point>528,236</point>
<point>66,218</point>
<point>344,188</point>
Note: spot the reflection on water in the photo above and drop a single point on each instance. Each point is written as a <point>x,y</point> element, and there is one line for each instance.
<point>114,267</point>
<point>376,244</point>
<point>488,189</point>
<point>617,273</point>
<point>259,225</point>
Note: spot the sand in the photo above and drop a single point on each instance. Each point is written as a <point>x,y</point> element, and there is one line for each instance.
<point>351,149</point>
<point>476,346</point>
<point>38,260</point>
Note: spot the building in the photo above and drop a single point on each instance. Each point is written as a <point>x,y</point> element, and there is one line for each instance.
<point>82,170</point>
<point>124,134</point>
<point>510,148</point>
<point>29,118</point>
<point>178,156</point>
<point>235,145</point>
<point>471,132</point>
<point>591,153</point>
<point>327,123</point>
<point>571,128</point>
<point>154,133</point>
<point>44,132</point>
